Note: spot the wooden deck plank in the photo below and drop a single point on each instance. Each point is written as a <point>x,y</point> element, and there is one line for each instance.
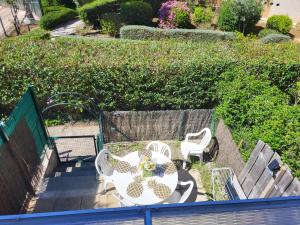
<point>280,187</point>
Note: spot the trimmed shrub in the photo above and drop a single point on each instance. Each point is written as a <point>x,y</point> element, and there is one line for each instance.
<point>111,24</point>
<point>91,12</point>
<point>202,15</point>
<point>136,12</point>
<point>275,38</point>
<point>266,32</point>
<point>167,13</point>
<point>281,23</point>
<point>150,33</point>
<point>55,18</point>
<point>239,15</point>
<point>182,18</point>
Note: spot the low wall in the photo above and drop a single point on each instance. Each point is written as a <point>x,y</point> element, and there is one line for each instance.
<point>229,154</point>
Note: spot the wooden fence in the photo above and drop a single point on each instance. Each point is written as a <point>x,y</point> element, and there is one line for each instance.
<point>259,181</point>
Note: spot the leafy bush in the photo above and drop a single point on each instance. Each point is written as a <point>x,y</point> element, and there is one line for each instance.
<point>266,32</point>
<point>275,38</point>
<point>53,9</point>
<point>155,4</point>
<point>255,109</point>
<point>65,3</point>
<point>182,18</point>
<point>55,18</point>
<point>239,15</point>
<point>111,23</point>
<point>167,14</point>
<point>36,34</point>
<point>202,15</point>
<point>136,12</point>
<point>91,12</point>
<point>150,33</point>
<point>281,23</point>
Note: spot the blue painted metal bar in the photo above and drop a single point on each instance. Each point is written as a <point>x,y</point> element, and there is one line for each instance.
<point>148,217</point>
<point>145,213</point>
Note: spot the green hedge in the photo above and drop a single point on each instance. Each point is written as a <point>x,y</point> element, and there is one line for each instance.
<point>143,75</point>
<point>91,12</point>
<point>55,18</point>
<point>136,12</point>
<point>143,33</point>
<point>125,74</point>
<point>275,38</point>
<point>255,109</point>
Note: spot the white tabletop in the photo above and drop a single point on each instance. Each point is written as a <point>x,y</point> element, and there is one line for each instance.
<point>122,180</point>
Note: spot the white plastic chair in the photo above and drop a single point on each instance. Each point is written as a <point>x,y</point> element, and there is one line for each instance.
<point>104,167</point>
<point>123,202</point>
<point>160,147</point>
<point>176,197</point>
<point>195,149</point>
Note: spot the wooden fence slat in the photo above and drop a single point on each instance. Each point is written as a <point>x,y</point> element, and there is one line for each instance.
<point>251,161</point>
<point>264,180</point>
<point>280,186</point>
<point>257,169</point>
<point>293,189</point>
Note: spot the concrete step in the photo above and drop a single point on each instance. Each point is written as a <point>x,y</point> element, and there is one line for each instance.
<point>76,173</point>
<point>72,169</point>
<point>73,193</point>
<point>69,183</point>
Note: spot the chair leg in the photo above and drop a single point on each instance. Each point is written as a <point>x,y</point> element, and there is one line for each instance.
<point>105,185</point>
<point>200,157</point>
<point>184,164</point>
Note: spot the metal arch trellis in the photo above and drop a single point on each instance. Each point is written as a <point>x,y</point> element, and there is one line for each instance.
<point>53,101</point>
<point>64,144</point>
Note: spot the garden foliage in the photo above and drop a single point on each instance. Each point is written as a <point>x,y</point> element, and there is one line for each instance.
<point>91,13</point>
<point>255,109</point>
<point>150,33</point>
<point>174,14</point>
<point>248,81</point>
<point>56,17</point>
<point>111,23</point>
<point>239,15</point>
<point>275,38</point>
<point>266,32</point>
<point>136,12</point>
<point>202,15</point>
<point>281,23</point>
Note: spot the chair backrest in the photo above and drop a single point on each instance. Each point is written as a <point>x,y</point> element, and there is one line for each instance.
<point>103,166</point>
<point>160,147</point>
<point>206,138</point>
<point>188,192</point>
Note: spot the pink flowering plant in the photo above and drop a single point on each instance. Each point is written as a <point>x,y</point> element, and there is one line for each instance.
<point>167,13</point>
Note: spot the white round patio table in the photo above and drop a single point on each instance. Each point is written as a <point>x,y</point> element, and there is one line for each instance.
<point>122,180</point>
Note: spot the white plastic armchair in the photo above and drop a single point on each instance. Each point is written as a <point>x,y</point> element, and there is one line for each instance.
<point>104,167</point>
<point>195,149</point>
<point>123,202</point>
<point>160,147</point>
<point>176,197</point>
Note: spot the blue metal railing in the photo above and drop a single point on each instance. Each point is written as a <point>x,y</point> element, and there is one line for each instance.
<point>268,209</point>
